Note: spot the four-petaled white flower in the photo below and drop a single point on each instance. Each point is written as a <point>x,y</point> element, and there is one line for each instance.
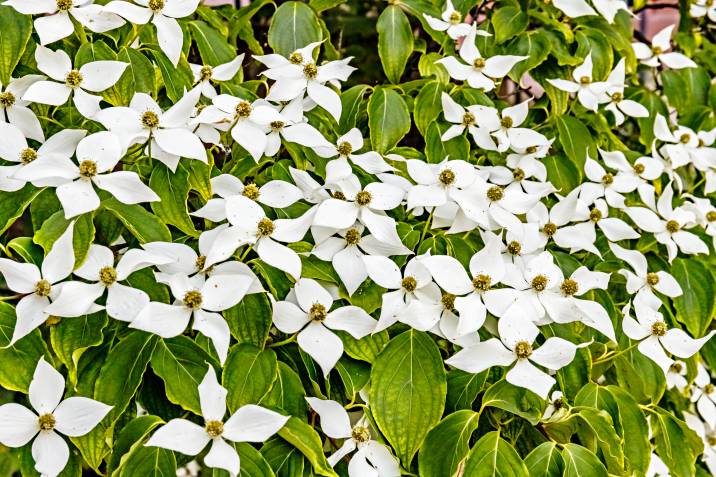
<point>205,75</point>
<point>617,104</point>
<point>450,21</point>
<point>659,54</point>
<point>588,91</point>
<point>15,110</point>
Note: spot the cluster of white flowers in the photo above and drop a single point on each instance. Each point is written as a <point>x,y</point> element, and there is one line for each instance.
<point>497,310</point>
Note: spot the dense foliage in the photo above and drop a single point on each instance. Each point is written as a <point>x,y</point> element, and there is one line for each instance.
<point>356,239</point>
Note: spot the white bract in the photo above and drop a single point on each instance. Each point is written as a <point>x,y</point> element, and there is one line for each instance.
<point>15,110</point>
<point>205,75</point>
<point>659,53</point>
<point>588,91</point>
<point>450,21</point>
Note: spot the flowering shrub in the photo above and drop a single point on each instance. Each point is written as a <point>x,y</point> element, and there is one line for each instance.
<point>352,239</point>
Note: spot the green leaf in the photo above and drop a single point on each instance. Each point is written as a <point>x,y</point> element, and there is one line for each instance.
<point>71,337</point>
<point>139,77</point>
<point>177,79</point>
<point>293,26</point>
<point>13,204</point>
<point>581,462</point>
<point>447,444</point>
<point>493,456</point>
<point>285,460</point>
<point>395,42</point>
<point>388,118</point>
<point>676,444</point>
<point>508,22</point>
<point>149,462</point>
<point>535,45</point>
<point>304,438</point>
<point>516,400</point>
<point>352,100</point>
<point>182,365</point>
<point>253,463</point>
<point>82,234</point>
<point>140,223</point>
<point>695,308</point>
<point>428,105</point>
<point>173,190</point>
<point>213,47</point>
<point>596,432</point>
<point>575,139</point>
<point>287,392</point>
<point>634,430</point>
<point>366,348</point>
<point>16,30</point>
<point>249,374</point>
<point>407,393</point>
<point>545,460</point>
<point>133,434</point>
<point>250,320</point>
<point>18,362</point>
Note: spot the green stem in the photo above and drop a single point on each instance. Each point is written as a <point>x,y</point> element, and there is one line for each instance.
<point>288,340</point>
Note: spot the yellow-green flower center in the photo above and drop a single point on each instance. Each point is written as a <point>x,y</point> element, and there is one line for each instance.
<point>585,80</point>
<point>73,79</point>
<point>455,17</point>
<point>295,58</point>
<point>539,283</point>
<point>265,227</point>
<point>409,284</point>
<point>569,287</point>
<point>243,109</point>
<point>214,428</point>
<point>193,299</point>
<point>468,119</point>
<point>28,155</point>
<point>310,70</point>
<point>595,215</point>
<point>711,216</point>
<point>107,275</point>
<point>156,5</point>
<point>251,191</point>
<point>617,97</point>
<point>549,229</point>
<point>46,422</point>
<point>672,226</point>
<point>518,174</point>
<point>514,247</point>
<point>317,312</point>
<point>685,138</point>
<point>506,122</point>
<point>523,350</point>
<point>205,73</point>
<point>607,179</point>
<point>360,434</point>
<point>63,5</point>
<point>446,177</point>
<point>448,301</point>
<point>344,148</point>
<point>658,328</point>
<point>652,278</point>
<point>363,198</point>
<point>42,288</point>
<point>479,63</point>
<point>88,169</point>
<point>482,282</point>
<point>7,99</point>
<point>352,237</point>
<point>150,120</point>
<point>277,125</point>
<point>495,193</point>
<point>639,168</point>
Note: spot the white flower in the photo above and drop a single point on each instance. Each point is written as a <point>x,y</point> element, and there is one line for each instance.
<point>609,8</point>
<point>299,75</point>
<point>659,54</point>
<point>250,423</point>
<point>517,336</point>
<point>372,459</point>
<point>440,184</point>
<point>345,148</point>
<point>73,417</point>
<point>462,118</point>
<point>634,176</point>
<point>552,222</point>
<point>643,282</point>
<point>167,131</point>
<point>163,14</point>
<point>14,148</point>
<point>679,144</point>
<point>123,302</point>
<point>198,297</point>
<point>585,234</point>
<point>494,206</point>
<point>603,184</point>
<point>655,336</point>
<point>588,91</point>
<point>527,159</point>
<point>293,127</point>
<point>676,377</point>
<point>97,155</point>
<point>703,393</point>
<point>615,94</point>
<point>307,310</point>
<point>701,8</point>
<point>555,406</point>
<point>479,72</point>
<point>15,110</point>
<point>452,22</point>
<point>39,285</point>
<point>706,430</point>
<point>95,76</point>
<point>504,127</point>
<point>657,468</point>
<point>55,22</point>
<point>205,75</point>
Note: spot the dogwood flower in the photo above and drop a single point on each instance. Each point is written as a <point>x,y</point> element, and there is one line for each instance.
<point>440,184</point>
<point>55,22</point>
<point>703,393</point>
<point>585,233</point>
<point>163,14</point>
<point>306,310</point>
<point>659,53</point>
<point>641,281</point>
<point>345,148</point>
<point>655,337</point>
<point>250,423</point>
<point>293,127</point>
<point>638,175</point>
<point>40,285</point>
<point>617,104</point>
<point>97,155</point>
<point>94,76</point>
<point>462,118</point>
<point>478,72</point>
<point>15,110</point>
<point>588,91</point>
<point>14,148</point>
<point>73,417</point>
<point>200,298</point>
<point>450,21</point>
<point>527,159</point>
<point>609,8</point>
<point>676,377</point>
<point>372,458</point>
<point>702,8</point>
<point>553,222</point>
<point>123,302</point>
<point>205,75</point>
<point>167,131</point>
<point>516,345</point>
<point>679,144</point>
<point>706,430</point>
<point>556,405</point>
<point>504,127</point>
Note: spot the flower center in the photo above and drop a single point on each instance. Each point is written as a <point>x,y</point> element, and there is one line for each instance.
<point>639,168</point>
<point>656,50</point>
<point>42,288</point>
<point>265,227</point>
<point>531,149</point>
<point>64,5</point>
<point>156,5</point>
<point>468,119</point>
<point>409,284</point>
<point>711,440</point>
<point>448,301</point>
<point>569,287</point>
<point>539,283</point>
<point>277,125</point>
<point>455,17</point>
<point>344,148</point>
<point>658,328</point>
<point>338,195</point>
<point>363,198</point>
<point>251,191</point>
<point>446,177</point>
<point>676,367</point>
<point>214,428</point>
<point>523,350</point>
<point>617,97</point>
<point>243,109</point>
<point>558,403</point>
<point>107,275</point>
<point>150,120</point>
<point>310,70</point>
<point>495,193</point>
<point>672,226</point>
<point>711,216</point>
<point>73,79</point>
<point>585,80</point>
<point>514,247</point>
<point>28,155</point>
<point>200,262</point>
<point>549,229</point>
<point>352,236</point>
<point>7,99</point>
<point>360,434</point>
<point>205,73</point>
<point>295,58</point>
<point>652,278</point>
<point>88,169</point>
<point>317,312</point>
<point>518,174</point>
<point>506,122</point>
<point>482,282</point>
<point>607,178</point>
<point>479,63</point>
<point>701,143</point>
<point>685,138</point>
<point>46,422</point>
<point>708,389</point>
<point>193,299</point>
<point>595,215</point>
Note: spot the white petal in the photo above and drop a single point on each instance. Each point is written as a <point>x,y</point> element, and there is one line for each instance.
<point>212,397</point>
<point>19,425</point>
<point>223,456</point>
<point>162,319</point>
<point>279,194</point>
<point>47,92</point>
<point>50,452</point>
<point>326,98</point>
<point>555,353</point>
<point>76,416</point>
<point>75,299</point>
<point>53,27</point>
<point>46,388</point>
<point>350,268</point>
<point>30,313</point>
<point>334,418</point>
<point>181,142</point>
<point>170,37</point>
<point>77,197</point>
<point>100,75</point>
<point>322,345</point>
<point>383,271</point>
<point>352,319</point>
<point>214,327</point>
<point>20,277</point>
<point>279,256</point>
<point>525,375</point>
<point>336,214</point>
<point>253,423</point>
<point>126,186</point>
<point>309,291</point>
<point>223,291</point>
<point>56,64</point>
<point>287,317</point>
<point>677,342</point>
<point>449,274</point>
<point>180,435</point>
<point>125,303</point>
<point>482,356</point>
